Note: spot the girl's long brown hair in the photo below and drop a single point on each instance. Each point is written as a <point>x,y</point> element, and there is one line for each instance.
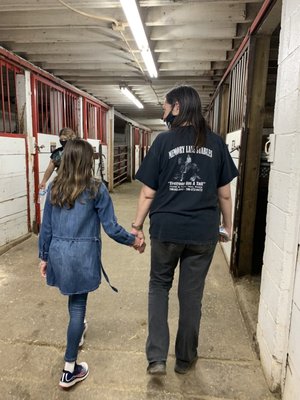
<point>75,174</point>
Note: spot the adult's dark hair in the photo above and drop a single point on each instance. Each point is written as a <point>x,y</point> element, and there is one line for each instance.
<point>190,111</point>
<point>75,174</point>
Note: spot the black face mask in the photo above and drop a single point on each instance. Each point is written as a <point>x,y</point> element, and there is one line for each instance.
<point>63,142</point>
<point>169,119</point>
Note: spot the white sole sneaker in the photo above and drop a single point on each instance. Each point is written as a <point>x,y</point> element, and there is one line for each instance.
<point>69,379</point>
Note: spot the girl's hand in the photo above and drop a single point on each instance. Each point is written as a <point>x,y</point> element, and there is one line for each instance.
<point>43,268</point>
<point>139,245</point>
<point>142,247</point>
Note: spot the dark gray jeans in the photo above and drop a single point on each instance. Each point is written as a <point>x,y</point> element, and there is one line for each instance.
<point>194,262</point>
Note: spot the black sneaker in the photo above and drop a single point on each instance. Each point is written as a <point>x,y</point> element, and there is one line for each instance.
<point>157,368</point>
<point>69,379</point>
<point>182,367</point>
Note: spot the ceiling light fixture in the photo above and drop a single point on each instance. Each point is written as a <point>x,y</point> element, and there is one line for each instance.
<point>135,23</point>
<point>131,96</point>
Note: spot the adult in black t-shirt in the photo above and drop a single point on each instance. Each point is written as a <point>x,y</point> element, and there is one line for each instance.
<point>186,179</point>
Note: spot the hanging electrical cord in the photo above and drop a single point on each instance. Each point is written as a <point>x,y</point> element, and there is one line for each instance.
<point>117,26</point>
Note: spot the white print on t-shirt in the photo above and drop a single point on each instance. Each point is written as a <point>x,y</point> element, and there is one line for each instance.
<point>186,186</point>
<point>186,176</point>
<point>190,149</point>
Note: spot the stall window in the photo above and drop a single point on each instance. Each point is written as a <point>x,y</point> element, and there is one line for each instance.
<point>94,121</point>
<point>9,122</point>
<point>55,107</point>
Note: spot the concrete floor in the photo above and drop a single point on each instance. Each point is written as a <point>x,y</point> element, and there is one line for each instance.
<point>34,319</point>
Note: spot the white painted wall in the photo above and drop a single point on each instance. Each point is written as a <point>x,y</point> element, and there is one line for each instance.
<point>13,177</point>
<point>279,318</point>
<point>105,162</point>
<point>23,91</point>
<point>292,383</point>
<point>95,144</point>
<point>233,141</point>
<point>47,143</point>
<point>136,158</point>
<point>13,189</point>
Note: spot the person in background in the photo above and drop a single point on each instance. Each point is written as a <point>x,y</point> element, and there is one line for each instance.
<point>65,134</point>
<point>70,243</point>
<point>186,179</point>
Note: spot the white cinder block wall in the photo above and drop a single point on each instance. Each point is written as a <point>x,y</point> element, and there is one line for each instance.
<point>279,309</point>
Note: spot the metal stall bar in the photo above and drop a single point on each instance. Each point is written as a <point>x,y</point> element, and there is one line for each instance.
<point>8,100</point>
<point>2,99</point>
<point>120,164</point>
<point>238,83</point>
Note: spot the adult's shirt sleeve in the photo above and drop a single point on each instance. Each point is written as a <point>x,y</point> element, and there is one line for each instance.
<point>148,173</point>
<point>228,169</point>
<point>56,155</point>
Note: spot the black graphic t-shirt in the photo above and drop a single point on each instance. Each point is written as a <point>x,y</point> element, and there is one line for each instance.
<point>56,156</point>
<point>185,208</point>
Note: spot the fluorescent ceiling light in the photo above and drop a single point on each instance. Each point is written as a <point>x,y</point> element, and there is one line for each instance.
<point>135,23</point>
<point>149,62</point>
<point>131,96</point>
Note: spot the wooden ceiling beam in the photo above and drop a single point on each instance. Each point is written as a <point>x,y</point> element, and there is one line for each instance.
<point>196,12</point>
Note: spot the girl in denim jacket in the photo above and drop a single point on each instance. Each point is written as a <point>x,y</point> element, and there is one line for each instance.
<point>70,243</point>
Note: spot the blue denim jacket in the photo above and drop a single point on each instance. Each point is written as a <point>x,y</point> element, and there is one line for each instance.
<point>70,241</point>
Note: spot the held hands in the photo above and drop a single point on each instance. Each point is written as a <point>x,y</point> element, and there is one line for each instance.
<point>139,245</point>
<point>43,268</point>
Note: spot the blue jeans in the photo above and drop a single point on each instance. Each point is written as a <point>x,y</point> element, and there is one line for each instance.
<point>77,308</point>
<point>194,264</point>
